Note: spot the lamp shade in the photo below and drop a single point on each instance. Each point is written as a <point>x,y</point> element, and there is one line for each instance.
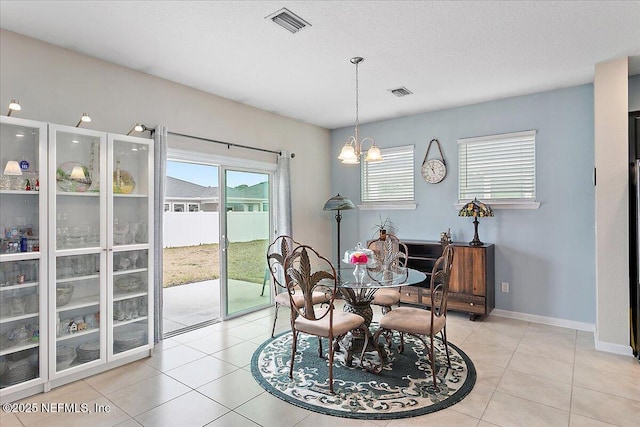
<point>476,209</point>
<point>374,154</point>
<point>348,154</point>
<point>338,203</point>
<point>78,174</point>
<point>12,168</point>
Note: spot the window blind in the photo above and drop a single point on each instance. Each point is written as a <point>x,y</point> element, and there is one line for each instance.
<point>391,179</point>
<point>497,167</point>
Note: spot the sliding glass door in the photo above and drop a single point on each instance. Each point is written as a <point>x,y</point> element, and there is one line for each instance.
<point>245,225</point>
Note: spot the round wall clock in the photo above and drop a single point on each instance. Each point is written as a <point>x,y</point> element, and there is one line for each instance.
<point>434,170</point>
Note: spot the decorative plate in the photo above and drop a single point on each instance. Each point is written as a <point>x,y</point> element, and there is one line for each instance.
<point>123,182</point>
<point>68,184</point>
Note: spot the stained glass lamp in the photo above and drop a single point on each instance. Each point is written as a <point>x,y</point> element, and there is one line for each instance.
<point>476,209</point>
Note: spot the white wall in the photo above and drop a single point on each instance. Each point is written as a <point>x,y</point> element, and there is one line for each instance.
<point>611,126</point>
<point>58,85</point>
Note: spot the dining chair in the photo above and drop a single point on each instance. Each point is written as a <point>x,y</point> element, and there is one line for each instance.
<point>277,251</point>
<point>420,322</point>
<point>390,253</point>
<point>307,270</point>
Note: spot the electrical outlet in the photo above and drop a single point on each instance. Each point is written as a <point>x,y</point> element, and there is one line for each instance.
<point>505,287</point>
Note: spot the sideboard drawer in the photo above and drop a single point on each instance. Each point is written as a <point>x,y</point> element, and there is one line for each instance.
<point>469,303</point>
<point>410,295</point>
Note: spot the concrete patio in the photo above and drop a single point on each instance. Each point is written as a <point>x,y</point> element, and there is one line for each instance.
<point>193,303</point>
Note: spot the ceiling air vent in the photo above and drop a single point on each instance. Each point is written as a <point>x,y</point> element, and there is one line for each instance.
<point>288,20</point>
<point>400,92</point>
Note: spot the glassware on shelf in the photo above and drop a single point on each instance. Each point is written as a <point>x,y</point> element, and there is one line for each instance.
<point>118,314</point>
<point>133,257</point>
<point>142,307</point>
<point>120,233</point>
<point>73,177</point>
<point>141,235</point>
<point>94,171</point>
<point>128,309</point>
<point>123,182</point>
<point>17,306</point>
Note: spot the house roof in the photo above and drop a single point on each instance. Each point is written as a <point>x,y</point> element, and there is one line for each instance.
<point>180,189</point>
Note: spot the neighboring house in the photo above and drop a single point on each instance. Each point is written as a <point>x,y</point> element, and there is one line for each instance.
<point>184,196</point>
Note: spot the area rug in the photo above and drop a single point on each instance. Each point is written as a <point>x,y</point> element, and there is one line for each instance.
<point>403,389</point>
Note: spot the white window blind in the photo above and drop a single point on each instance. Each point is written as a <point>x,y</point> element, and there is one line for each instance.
<point>391,179</point>
<point>498,167</point>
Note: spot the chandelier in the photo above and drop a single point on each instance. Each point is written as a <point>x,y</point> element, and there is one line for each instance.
<point>352,150</point>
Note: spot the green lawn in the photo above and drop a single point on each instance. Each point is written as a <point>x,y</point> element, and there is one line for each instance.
<point>188,264</point>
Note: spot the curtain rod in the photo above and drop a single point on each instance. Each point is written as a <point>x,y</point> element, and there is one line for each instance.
<point>228,144</point>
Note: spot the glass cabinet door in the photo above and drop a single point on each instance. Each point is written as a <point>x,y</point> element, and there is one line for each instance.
<point>77,260</point>
<point>23,240</point>
<point>130,214</point>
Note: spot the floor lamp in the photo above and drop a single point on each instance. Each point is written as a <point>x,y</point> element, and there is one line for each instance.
<point>338,203</point>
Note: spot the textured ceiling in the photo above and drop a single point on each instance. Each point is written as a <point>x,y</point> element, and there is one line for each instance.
<point>447,53</point>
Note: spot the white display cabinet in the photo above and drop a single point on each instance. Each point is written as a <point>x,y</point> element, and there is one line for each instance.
<point>101,211</point>
<point>23,255</point>
<point>130,231</point>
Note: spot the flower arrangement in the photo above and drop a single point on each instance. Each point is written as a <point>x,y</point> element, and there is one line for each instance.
<point>358,256</point>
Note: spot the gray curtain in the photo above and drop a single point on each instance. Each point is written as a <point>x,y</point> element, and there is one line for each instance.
<point>283,182</point>
<point>160,172</point>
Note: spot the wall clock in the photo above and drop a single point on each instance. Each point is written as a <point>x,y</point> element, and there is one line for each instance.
<point>434,170</point>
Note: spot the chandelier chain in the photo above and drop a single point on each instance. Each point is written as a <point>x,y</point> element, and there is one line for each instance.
<point>357,102</point>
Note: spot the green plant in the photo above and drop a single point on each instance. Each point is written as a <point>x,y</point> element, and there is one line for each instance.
<point>384,226</point>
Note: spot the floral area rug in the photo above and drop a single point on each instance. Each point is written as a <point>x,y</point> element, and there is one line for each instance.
<point>404,388</point>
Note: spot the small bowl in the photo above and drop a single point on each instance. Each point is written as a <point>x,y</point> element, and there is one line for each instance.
<point>63,294</point>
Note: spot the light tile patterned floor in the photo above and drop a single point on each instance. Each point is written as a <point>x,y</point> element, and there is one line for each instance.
<point>528,375</point>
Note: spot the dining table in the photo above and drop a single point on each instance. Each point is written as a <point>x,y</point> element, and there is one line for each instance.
<point>357,286</point>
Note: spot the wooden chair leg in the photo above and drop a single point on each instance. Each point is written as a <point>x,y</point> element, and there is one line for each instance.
<point>294,346</point>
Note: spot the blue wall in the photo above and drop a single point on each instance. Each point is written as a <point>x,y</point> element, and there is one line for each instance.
<point>547,255</point>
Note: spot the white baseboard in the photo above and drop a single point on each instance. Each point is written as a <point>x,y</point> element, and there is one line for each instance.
<point>581,326</point>
<point>553,321</point>
<point>610,347</point>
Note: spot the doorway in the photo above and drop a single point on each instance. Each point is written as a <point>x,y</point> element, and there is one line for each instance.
<point>246,230</point>
<point>191,263</point>
<point>215,238</point>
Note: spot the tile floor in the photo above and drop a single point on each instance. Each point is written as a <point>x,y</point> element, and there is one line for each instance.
<point>528,375</point>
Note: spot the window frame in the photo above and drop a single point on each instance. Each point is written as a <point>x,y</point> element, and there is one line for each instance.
<point>173,207</point>
<point>500,203</point>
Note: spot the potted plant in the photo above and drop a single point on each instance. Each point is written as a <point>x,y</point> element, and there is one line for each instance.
<point>383,227</point>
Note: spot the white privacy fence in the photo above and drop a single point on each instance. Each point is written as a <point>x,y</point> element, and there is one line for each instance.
<point>198,228</point>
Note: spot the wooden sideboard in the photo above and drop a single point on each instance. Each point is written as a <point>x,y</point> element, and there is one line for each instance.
<point>472,283</point>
